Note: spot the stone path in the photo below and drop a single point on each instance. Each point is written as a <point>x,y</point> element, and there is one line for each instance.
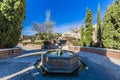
<point>110,64</point>
<point>20,67</point>
<point>17,68</point>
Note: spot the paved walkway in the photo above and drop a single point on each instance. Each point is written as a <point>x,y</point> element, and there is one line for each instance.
<point>19,67</point>
<point>111,65</point>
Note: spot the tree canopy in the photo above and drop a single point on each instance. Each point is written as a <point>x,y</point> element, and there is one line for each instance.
<point>111,30</point>
<point>11,17</point>
<point>46,27</point>
<point>88,31</point>
<point>98,28</point>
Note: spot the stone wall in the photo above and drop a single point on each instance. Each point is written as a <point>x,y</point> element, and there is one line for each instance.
<point>34,46</point>
<point>110,53</point>
<point>30,45</point>
<point>9,52</point>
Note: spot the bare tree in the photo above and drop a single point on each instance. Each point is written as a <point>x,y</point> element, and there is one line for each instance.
<point>49,25</point>
<point>75,30</point>
<point>39,28</point>
<point>45,27</point>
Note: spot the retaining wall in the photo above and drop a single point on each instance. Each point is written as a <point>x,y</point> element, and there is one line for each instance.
<point>9,52</point>
<point>110,53</point>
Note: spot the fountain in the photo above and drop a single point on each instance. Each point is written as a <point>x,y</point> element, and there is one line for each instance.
<point>59,61</point>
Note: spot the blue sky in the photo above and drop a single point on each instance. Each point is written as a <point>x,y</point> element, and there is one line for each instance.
<point>65,13</point>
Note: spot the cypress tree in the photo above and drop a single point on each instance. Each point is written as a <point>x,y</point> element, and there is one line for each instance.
<point>111,30</point>
<point>11,17</point>
<point>88,32</point>
<point>98,27</point>
<point>81,36</point>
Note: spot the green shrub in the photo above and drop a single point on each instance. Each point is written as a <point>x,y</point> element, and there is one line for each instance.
<point>76,44</point>
<point>46,43</point>
<point>25,43</point>
<point>11,17</point>
<point>37,43</point>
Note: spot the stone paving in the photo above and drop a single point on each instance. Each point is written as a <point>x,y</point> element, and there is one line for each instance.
<point>110,64</point>
<point>18,68</point>
<point>21,67</point>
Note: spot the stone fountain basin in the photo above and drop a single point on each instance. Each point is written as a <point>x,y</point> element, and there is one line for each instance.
<point>66,63</point>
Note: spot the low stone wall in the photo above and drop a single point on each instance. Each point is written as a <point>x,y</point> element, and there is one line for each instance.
<point>110,53</point>
<point>9,52</point>
<point>30,45</point>
<point>34,46</point>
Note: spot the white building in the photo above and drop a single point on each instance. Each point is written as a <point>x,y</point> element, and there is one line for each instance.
<point>71,34</point>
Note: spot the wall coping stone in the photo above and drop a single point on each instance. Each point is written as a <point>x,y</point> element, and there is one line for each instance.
<point>9,49</point>
<point>112,50</point>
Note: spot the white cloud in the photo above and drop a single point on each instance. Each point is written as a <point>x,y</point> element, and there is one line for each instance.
<point>66,27</point>
<point>59,28</point>
<point>27,31</point>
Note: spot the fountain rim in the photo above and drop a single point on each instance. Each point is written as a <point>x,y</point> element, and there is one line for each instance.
<point>70,56</point>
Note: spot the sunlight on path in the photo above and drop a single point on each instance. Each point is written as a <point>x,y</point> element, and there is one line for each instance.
<point>17,68</point>
<point>17,73</point>
<point>30,54</point>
